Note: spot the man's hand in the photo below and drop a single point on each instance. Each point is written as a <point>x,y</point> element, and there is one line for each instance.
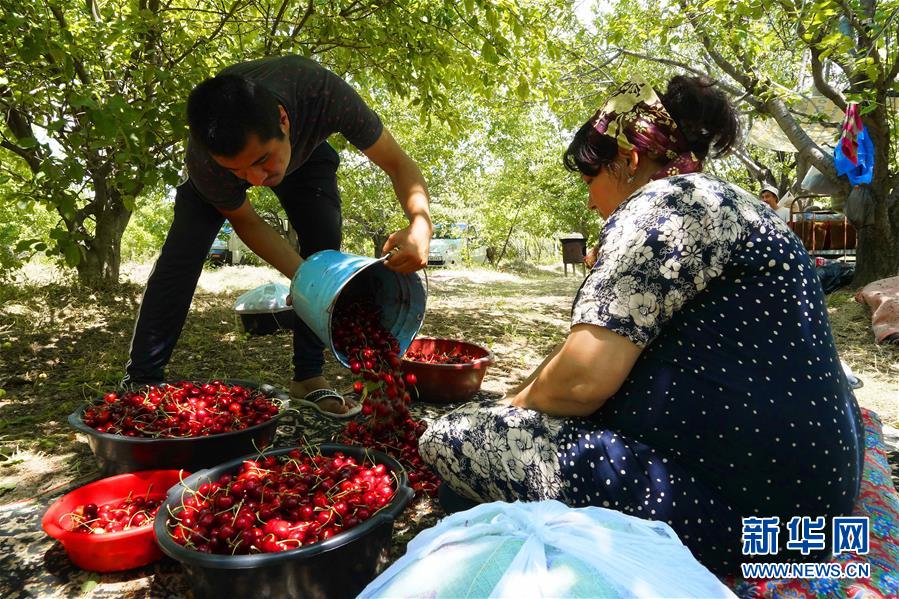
<point>412,245</point>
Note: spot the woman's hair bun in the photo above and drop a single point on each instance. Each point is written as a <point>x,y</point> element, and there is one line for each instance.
<point>703,113</point>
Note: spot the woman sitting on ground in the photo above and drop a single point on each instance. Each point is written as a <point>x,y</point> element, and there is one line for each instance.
<point>699,382</point>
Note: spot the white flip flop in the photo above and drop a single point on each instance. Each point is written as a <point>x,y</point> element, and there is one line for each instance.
<point>311,400</point>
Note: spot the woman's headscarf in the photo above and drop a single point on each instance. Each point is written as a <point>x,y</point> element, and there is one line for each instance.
<point>635,117</point>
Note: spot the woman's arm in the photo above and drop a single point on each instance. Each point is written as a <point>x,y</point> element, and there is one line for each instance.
<point>589,368</point>
<point>520,386</point>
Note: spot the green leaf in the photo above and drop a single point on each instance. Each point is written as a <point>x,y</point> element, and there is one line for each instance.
<point>517,28</point>
<point>867,108</point>
<point>488,53</point>
<point>25,245</point>
<point>82,101</point>
<point>88,586</point>
<point>72,254</point>
<point>524,89</point>
<point>492,19</point>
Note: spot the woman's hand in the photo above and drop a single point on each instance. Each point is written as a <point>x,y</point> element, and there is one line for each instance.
<point>591,257</point>
<point>511,398</point>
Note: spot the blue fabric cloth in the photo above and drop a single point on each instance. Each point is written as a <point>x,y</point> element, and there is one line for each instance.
<point>862,172</point>
<point>834,274</point>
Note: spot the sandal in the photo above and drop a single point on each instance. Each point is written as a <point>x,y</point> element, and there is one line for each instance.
<point>311,400</point>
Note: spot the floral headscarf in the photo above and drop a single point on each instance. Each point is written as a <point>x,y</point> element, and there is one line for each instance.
<point>636,118</point>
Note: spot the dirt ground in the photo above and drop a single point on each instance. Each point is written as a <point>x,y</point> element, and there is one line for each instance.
<point>61,346</point>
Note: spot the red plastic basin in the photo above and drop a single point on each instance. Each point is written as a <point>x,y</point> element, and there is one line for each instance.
<point>112,551</point>
<point>447,383</point>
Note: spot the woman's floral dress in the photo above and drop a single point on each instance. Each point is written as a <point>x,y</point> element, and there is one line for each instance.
<point>737,406</point>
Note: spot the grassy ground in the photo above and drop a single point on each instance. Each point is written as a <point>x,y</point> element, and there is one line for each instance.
<point>61,345</point>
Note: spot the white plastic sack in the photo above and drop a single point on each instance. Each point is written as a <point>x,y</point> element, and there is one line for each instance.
<point>546,549</point>
<point>817,182</point>
<point>271,297</point>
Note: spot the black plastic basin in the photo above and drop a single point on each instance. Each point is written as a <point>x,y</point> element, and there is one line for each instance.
<point>118,454</point>
<point>336,568</point>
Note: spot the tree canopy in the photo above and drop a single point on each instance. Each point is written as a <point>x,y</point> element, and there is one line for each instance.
<point>93,93</point>
<point>773,56</point>
<point>483,94</point>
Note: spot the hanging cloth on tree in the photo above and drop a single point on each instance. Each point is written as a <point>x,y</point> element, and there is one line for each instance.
<point>852,126</point>
<point>854,155</point>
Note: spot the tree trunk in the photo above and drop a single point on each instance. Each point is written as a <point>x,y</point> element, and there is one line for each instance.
<point>378,240</point>
<point>99,266</point>
<point>877,254</point>
<point>877,249</point>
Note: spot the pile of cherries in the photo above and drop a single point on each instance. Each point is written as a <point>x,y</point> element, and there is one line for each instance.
<point>387,424</point>
<point>276,503</point>
<point>461,357</point>
<point>131,512</point>
<point>182,409</point>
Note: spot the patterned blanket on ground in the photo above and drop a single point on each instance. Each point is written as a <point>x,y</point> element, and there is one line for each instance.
<point>879,501</point>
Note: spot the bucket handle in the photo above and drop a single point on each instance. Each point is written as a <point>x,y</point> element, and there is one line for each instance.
<point>394,251</point>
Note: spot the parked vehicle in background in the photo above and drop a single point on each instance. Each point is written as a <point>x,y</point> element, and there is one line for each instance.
<point>454,244</point>
<point>227,247</point>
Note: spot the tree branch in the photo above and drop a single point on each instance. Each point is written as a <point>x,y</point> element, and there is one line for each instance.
<point>92,9</point>
<point>725,65</point>
<point>275,22</point>
<point>33,163</point>
<point>682,65</point>
<point>804,144</point>
<point>79,66</point>
<point>206,39</point>
<point>310,8</point>
<point>758,171</point>
<point>821,84</point>
<point>20,127</point>
<point>812,42</point>
<point>860,28</point>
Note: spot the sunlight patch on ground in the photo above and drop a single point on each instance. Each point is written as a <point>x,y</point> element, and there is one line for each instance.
<point>38,273</point>
<point>224,279</point>
<point>18,309</point>
<point>33,470</point>
<point>473,275</point>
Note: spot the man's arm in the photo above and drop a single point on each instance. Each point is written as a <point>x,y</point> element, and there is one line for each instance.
<point>412,192</point>
<point>589,368</point>
<point>263,239</point>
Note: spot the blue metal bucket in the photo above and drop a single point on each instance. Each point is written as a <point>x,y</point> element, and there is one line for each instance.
<point>325,275</point>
